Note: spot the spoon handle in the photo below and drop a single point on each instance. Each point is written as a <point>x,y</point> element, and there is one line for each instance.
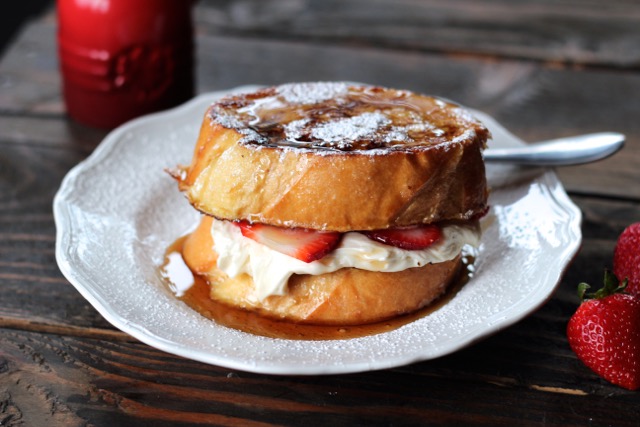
<point>560,152</point>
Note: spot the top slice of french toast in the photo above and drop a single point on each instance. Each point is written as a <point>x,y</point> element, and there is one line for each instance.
<point>338,117</point>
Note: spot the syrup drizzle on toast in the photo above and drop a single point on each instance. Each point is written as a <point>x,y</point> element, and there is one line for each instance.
<point>339,117</point>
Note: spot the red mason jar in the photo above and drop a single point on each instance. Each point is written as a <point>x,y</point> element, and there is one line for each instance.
<point>121,58</point>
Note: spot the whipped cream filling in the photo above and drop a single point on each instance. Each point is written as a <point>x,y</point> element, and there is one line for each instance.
<point>271,269</point>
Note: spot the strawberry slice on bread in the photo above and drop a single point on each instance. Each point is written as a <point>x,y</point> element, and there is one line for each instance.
<point>411,238</point>
<point>344,178</point>
<point>304,244</point>
<point>310,245</point>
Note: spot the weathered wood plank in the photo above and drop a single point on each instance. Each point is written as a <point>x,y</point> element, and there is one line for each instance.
<point>586,33</point>
<point>48,131</point>
<point>61,363</point>
<point>533,101</point>
<point>107,383</point>
<point>29,70</point>
<point>31,286</point>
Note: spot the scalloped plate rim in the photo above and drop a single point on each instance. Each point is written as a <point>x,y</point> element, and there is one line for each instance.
<point>63,216</point>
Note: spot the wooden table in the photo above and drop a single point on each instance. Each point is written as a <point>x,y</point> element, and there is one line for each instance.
<point>544,69</point>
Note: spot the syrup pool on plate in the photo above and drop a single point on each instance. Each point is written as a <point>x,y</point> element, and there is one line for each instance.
<point>193,290</point>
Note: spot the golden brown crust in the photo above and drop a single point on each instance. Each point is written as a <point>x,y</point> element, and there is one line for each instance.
<point>230,178</point>
<point>334,159</point>
<point>348,296</point>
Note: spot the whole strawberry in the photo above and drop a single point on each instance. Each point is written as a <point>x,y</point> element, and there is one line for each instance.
<point>605,333</point>
<point>626,258</point>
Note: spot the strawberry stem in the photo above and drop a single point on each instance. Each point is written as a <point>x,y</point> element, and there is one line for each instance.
<point>611,286</point>
<point>582,289</point>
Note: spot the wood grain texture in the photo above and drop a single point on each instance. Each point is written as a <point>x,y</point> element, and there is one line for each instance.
<point>534,101</point>
<point>543,68</point>
<point>591,33</point>
<point>81,380</point>
<point>48,131</point>
<point>32,287</point>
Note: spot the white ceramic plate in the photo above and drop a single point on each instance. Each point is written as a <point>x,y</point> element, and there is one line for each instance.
<point>117,212</point>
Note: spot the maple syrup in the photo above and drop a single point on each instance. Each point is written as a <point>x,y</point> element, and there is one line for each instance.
<point>197,297</point>
<point>339,117</point>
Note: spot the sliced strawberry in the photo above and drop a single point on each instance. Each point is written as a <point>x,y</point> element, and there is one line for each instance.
<point>304,244</point>
<point>412,238</point>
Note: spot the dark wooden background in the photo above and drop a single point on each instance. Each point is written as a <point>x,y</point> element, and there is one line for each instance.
<point>543,68</point>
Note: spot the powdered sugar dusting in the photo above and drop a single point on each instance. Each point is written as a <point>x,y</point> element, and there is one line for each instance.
<point>295,130</point>
<point>311,93</point>
<point>345,131</point>
<point>231,121</point>
<point>335,118</point>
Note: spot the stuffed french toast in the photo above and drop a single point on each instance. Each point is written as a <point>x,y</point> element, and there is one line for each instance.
<point>334,204</point>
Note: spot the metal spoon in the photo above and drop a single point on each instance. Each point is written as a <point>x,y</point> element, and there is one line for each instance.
<point>572,150</point>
